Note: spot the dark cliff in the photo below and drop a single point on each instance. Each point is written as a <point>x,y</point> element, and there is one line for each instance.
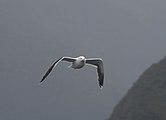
<point>146,100</point>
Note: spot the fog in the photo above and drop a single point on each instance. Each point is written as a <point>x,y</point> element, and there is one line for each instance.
<point>128,35</point>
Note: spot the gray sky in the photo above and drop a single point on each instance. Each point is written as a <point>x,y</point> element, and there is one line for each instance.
<point>128,35</point>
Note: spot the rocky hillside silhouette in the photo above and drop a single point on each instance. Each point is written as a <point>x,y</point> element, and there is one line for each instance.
<point>146,100</point>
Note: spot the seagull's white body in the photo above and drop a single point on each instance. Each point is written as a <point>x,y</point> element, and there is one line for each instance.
<point>80,62</point>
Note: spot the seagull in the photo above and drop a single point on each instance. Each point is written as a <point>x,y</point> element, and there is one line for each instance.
<point>79,62</point>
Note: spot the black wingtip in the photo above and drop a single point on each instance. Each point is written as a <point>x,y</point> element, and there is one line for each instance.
<point>41,81</point>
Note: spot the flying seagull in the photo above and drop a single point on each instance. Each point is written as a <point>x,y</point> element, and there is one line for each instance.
<point>79,62</point>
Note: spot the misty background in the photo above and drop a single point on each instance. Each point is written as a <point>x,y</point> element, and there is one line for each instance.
<point>128,35</point>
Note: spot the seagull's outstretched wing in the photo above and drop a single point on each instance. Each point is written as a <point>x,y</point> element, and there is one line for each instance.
<point>100,70</point>
<point>68,59</point>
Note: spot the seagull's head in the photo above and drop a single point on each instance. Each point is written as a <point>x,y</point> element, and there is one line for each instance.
<point>82,58</point>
